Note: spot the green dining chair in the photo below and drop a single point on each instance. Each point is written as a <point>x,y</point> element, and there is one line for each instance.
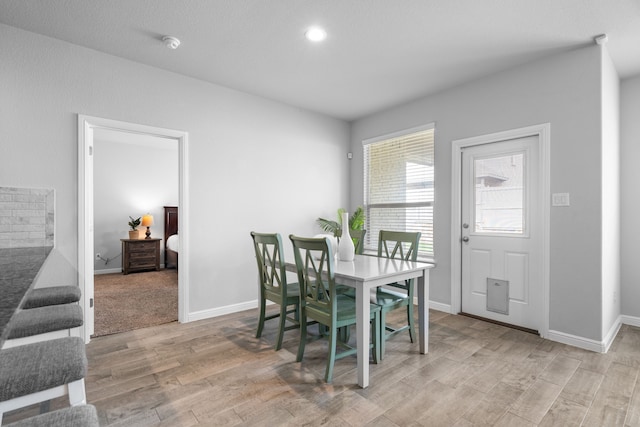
<point>320,301</point>
<point>273,284</point>
<point>397,245</point>
<point>358,239</point>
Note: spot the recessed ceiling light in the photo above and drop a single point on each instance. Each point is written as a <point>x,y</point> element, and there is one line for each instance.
<point>315,34</point>
<point>171,42</point>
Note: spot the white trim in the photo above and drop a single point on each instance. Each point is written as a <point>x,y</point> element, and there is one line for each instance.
<point>399,133</point>
<point>221,311</point>
<point>608,339</point>
<point>248,305</point>
<point>576,341</point>
<point>630,320</point>
<point>434,305</point>
<point>586,343</point>
<point>75,390</point>
<point>115,270</point>
<point>107,271</point>
<point>86,125</point>
<point>543,131</point>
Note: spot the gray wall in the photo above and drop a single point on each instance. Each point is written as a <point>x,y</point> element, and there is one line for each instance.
<point>254,164</point>
<point>130,180</point>
<point>564,90</point>
<point>630,201</point>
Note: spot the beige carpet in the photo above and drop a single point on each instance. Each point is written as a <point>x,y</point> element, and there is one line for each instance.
<point>134,301</point>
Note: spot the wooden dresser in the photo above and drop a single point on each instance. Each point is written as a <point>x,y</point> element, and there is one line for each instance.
<point>140,255</point>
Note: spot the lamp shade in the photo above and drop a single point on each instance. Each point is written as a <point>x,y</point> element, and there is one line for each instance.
<point>147,220</point>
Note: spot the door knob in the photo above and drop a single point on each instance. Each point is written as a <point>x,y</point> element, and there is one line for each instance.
<point>465,239</point>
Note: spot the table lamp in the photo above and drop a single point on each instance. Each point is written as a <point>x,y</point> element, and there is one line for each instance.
<point>147,221</point>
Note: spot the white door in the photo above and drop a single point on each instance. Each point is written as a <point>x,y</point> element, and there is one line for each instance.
<point>501,232</point>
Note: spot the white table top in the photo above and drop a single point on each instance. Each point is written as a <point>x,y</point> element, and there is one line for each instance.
<point>366,267</point>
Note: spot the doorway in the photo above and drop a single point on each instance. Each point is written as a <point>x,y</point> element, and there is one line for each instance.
<point>500,227</point>
<point>86,128</point>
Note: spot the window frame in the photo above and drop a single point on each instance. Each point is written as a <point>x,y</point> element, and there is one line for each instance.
<point>427,239</point>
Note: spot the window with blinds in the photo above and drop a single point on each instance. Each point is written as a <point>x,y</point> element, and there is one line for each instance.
<point>398,186</point>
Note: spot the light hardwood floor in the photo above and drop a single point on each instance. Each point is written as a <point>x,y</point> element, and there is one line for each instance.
<point>215,372</point>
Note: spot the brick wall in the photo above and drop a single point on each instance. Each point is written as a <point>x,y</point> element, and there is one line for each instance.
<point>26,217</point>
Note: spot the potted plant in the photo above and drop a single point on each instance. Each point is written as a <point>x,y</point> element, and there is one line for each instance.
<point>356,222</point>
<point>134,233</point>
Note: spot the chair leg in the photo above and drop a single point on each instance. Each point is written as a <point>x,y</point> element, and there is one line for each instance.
<point>263,304</point>
<point>303,334</point>
<point>412,331</point>
<point>328,377</point>
<point>345,334</point>
<point>283,318</point>
<point>375,338</point>
<point>382,333</point>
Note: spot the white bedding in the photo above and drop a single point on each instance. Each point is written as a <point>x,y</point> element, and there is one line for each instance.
<point>173,243</point>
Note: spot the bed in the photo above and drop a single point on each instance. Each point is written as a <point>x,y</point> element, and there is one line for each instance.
<point>171,241</point>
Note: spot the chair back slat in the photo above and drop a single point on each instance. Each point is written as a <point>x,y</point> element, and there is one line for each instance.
<point>271,268</point>
<point>399,245</point>
<point>314,264</point>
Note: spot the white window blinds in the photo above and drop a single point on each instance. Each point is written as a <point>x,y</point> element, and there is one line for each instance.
<point>398,186</point>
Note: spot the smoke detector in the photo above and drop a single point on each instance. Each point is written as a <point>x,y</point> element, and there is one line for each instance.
<point>171,42</point>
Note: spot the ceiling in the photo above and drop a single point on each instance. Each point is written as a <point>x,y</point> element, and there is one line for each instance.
<point>378,53</point>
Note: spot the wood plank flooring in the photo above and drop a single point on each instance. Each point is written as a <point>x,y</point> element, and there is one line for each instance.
<point>216,373</point>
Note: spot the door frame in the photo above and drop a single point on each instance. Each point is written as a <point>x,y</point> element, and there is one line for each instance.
<point>542,131</point>
<point>86,126</point>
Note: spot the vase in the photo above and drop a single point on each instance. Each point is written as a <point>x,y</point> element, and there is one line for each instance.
<point>346,249</point>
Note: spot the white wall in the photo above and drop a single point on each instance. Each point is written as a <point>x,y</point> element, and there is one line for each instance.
<point>563,90</point>
<point>130,180</point>
<point>610,195</point>
<point>630,199</point>
<point>254,164</point>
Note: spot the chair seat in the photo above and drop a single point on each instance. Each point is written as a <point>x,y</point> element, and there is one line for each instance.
<point>293,293</point>
<point>54,295</point>
<point>390,299</point>
<point>75,416</point>
<point>41,320</point>
<point>346,309</point>
<point>40,366</point>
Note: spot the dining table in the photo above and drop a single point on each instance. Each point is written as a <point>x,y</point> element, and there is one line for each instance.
<point>367,272</point>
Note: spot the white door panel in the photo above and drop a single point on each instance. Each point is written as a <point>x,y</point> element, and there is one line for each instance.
<point>501,230</point>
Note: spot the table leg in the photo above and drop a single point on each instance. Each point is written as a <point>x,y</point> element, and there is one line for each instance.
<point>423,311</point>
<point>362,328</point>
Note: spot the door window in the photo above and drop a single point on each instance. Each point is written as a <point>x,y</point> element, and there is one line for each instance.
<point>499,196</point>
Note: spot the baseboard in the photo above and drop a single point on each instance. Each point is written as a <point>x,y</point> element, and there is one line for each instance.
<point>611,335</point>
<point>576,341</point>
<point>589,344</point>
<point>630,320</point>
<point>235,308</point>
<point>438,306</point>
<point>108,271</point>
<point>221,311</point>
<point>115,270</point>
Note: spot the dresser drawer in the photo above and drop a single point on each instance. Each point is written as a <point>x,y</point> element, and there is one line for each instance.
<point>142,247</point>
<point>140,255</point>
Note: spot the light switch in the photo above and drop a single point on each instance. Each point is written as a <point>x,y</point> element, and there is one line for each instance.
<point>560,199</point>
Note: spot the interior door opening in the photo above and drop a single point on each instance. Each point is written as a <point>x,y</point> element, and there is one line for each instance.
<point>87,127</point>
